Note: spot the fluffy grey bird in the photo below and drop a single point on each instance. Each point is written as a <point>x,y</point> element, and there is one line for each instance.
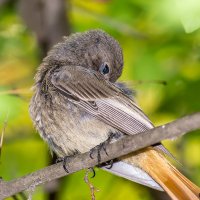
<point>77,105</point>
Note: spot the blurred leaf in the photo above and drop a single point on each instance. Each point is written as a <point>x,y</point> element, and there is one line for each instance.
<point>19,72</point>
<point>190,14</point>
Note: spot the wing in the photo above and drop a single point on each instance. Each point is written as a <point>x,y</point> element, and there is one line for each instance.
<point>99,97</point>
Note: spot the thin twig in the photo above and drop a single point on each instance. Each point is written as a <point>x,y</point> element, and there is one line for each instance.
<point>117,149</point>
<point>120,26</point>
<point>93,189</point>
<point>16,91</point>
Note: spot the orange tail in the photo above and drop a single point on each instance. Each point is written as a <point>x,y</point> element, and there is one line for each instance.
<point>167,176</point>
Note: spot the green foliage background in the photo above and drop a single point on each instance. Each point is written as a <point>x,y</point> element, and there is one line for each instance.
<point>156,49</point>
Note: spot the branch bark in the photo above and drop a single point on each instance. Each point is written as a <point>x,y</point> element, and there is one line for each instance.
<point>82,161</point>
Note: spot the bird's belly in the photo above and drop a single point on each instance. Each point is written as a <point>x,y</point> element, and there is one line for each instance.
<point>72,130</point>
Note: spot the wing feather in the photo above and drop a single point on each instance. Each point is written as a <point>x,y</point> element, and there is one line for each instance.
<point>101,98</point>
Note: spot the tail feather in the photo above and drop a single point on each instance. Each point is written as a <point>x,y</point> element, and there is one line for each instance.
<point>195,189</point>
<point>167,176</point>
<point>132,173</point>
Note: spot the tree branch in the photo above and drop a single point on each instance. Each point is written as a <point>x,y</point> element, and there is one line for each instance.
<point>48,19</point>
<point>82,161</point>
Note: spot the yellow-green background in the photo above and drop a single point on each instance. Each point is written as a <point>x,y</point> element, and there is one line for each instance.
<point>156,48</point>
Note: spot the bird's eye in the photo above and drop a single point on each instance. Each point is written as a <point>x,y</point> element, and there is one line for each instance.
<point>104,69</point>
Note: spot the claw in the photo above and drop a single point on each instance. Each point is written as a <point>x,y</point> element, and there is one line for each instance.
<point>65,162</point>
<point>65,168</point>
<point>59,160</point>
<point>91,152</point>
<point>109,163</point>
<point>93,171</point>
<point>104,148</point>
<point>66,158</point>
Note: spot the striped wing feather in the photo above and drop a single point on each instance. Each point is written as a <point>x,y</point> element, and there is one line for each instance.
<point>101,98</point>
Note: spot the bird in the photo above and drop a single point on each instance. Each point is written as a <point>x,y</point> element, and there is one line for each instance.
<point>78,104</point>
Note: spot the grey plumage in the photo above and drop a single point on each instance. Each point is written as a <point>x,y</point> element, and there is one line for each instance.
<point>76,105</point>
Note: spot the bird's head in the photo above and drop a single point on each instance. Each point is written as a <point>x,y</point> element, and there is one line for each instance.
<point>93,49</point>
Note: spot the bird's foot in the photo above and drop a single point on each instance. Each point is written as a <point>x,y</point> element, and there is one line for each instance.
<point>98,149</point>
<point>59,159</point>
<point>65,161</point>
<point>109,164</point>
<point>102,146</point>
